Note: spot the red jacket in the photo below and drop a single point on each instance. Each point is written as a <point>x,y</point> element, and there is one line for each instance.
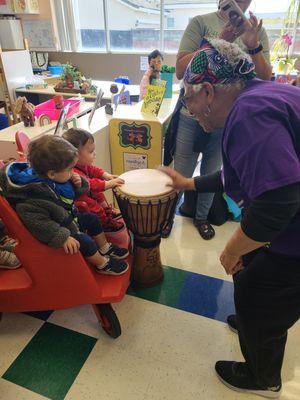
<point>94,196</point>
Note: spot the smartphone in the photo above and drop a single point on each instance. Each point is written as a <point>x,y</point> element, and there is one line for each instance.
<point>235,15</point>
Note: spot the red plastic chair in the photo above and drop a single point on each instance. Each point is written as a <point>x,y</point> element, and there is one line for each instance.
<point>49,279</point>
<point>22,141</point>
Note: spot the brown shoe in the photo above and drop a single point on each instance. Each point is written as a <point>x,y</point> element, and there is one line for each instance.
<point>8,260</point>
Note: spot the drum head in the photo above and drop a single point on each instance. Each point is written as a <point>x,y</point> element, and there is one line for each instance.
<point>143,183</point>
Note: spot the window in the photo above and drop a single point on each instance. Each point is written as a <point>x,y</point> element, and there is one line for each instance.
<point>89,23</point>
<point>273,14</point>
<point>134,25</point>
<point>181,12</point>
<point>170,22</point>
<point>144,25</point>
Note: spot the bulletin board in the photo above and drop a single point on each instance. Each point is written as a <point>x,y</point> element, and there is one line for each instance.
<point>40,34</point>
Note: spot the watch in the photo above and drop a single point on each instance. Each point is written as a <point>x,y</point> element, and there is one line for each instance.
<point>258,49</point>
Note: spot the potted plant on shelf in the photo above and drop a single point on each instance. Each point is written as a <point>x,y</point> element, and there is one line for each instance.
<point>282,49</point>
<point>70,75</point>
<point>72,81</point>
<point>282,58</point>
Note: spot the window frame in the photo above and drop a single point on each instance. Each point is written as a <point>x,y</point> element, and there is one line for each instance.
<point>71,37</point>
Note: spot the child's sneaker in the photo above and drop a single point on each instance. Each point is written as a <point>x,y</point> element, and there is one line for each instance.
<point>7,243</point>
<point>113,267</point>
<point>8,260</point>
<point>116,252</point>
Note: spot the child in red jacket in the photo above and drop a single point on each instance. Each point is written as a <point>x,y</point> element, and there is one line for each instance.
<point>94,200</point>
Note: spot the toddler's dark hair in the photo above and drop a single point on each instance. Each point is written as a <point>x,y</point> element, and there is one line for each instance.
<point>78,137</point>
<point>154,54</point>
<point>50,153</point>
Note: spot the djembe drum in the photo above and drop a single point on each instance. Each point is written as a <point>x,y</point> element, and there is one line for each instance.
<point>147,205</point>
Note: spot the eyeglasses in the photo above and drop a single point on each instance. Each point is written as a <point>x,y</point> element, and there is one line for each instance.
<point>184,100</point>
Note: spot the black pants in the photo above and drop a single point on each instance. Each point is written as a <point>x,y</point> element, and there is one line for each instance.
<point>90,226</point>
<point>267,301</point>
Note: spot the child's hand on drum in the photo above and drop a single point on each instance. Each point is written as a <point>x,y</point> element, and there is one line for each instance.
<point>76,180</point>
<point>109,177</point>
<point>114,183</point>
<point>179,181</point>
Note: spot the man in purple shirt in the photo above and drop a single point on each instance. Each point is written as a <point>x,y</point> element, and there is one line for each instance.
<point>261,172</point>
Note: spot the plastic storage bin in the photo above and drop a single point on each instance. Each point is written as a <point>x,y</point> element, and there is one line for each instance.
<point>122,79</point>
<point>48,107</point>
<point>56,70</point>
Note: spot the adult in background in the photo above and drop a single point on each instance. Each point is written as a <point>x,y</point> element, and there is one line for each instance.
<point>261,172</point>
<point>191,139</point>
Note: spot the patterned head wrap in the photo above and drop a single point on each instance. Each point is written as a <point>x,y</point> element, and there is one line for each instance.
<point>209,65</point>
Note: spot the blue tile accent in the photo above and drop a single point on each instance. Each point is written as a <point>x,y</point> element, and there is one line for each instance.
<point>44,315</point>
<point>207,296</point>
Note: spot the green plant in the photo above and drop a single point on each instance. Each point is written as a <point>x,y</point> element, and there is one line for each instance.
<point>283,46</point>
<point>167,69</point>
<point>293,14</point>
<point>70,73</point>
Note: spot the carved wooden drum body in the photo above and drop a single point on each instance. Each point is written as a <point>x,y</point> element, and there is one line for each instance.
<point>147,205</point>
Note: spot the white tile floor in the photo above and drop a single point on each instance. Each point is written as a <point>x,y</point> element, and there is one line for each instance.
<point>163,353</point>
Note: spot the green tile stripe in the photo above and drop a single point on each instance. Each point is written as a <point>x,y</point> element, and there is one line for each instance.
<point>167,292</point>
<point>50,362</point>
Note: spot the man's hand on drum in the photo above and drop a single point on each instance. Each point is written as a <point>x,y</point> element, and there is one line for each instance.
<point>179,182</point>
<point>114,183</point>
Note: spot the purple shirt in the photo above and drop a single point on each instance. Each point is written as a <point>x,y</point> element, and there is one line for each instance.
<point>259,149</point>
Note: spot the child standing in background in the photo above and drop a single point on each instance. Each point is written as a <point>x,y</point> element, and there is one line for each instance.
<point>99,180</point>
<point>43,195</point>
<point>155,60</point>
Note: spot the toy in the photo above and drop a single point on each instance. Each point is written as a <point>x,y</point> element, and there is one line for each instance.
<point>114,88</point>
<point>44,119</point>
<point>93,90</point>
<point>25,110</point>
<point>168,70</point>
<point>108,107</point>
<point>59,102</point>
